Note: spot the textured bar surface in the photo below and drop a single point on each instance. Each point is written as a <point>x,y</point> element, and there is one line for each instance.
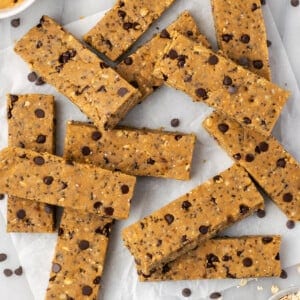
<point>30,125</point>
<point>123,25</point>
<point>243,257</point>
<point>138,152</point>
<point>241,33</point>
<point>138,67</point>
<point>50,179</point>
<point>273,168</point>
<point>77,73</point>
<point>79,256</point>
<point>219,82</point>
<point>191,219</point>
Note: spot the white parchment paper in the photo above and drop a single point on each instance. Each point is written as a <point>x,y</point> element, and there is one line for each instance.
<point>120,280</point>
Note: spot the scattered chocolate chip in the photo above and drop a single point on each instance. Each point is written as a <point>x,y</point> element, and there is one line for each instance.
<point>267,239</point>
<point>134,83</point>
<point>245,38</point>
<point>105,230</point>
<point>165,269</point>
<point>287,197</point>
<point>244,209</point>
<point>128,61</point>
<point>244,61</point>
<point>264,147</point>
<point>165,34</point>
<point>258,64</point>
<point>96,135</point>
<point>39,113</point>
<point>215,295</point>
<point>169,219</point>
<point>8,272</point>
<point>127,25</point>
<point>223,127</point>
<point>122,92</point>
<point>21,214</point>
<point>247,121</point>
<point>97,205</point>
<point>3,257</point>
<point>38,160</point>
<point>48,180</point>
<point>201,93</point>
<point>186,292</point>
<point>159,242</point>
<point>150,161</point>
<point>121,14</point>
<point>254,7</point>
<point>48,208</point>
<point>97,280</point>
<point>32,77</point>
<point>173,54</point>
<point>60,231</point>
<point>290,224</point>
<point>189,33</point>
<point>41,139</point>
<point>149,255</point>
<point>249,157</point>
<point>178,137</point>
<point>39,44</point>
<point>295,3</point>
<point>227,80</point>
<point>281,163</point>
<point>217,178</point>
<point>40,81</point>
<point>227,37</point>
<point>124,189</point>
<point>19,271</point>
<point>226,258</point>
<point>56,268</point>
<point>237,156</point>
<point>103,65</point>
<point>2,196</point>
<point>83,245</point>
<point>109,211</point>
<point>15,22</point>
<point>261,213</point>
<point>283,274</point>
<point>203,229</point>
<point>211,259</point>
<point>181,61</point>
<point>175,122</point>
<point>186,204</point>
<point>87,290</point>
<point>269,43</point>
<point>277,257</point>
<point>247,262</point>
<point>213,60</point>
<point>85,150</point>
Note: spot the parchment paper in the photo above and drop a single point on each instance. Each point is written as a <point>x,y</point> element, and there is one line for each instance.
<point>120,280</point>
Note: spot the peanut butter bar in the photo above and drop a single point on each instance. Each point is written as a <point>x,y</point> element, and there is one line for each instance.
<point>30,125</point>
<point>241,34</point>
<point>50,179</point>
<point>79,256</point>
<point>211,78</point>
<point>273,168</point>
<point>77,73</point>
<point>243,257</point>
<point>123,25</point>
<point>191,219</point>
<point>139,152</point>
<point>138,67</point>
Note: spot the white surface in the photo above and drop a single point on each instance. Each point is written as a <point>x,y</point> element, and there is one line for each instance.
<point>120,280</point>
<point>9,12</point>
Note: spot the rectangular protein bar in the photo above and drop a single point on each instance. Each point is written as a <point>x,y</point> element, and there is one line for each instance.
<point>191,219</point>
<point>220,258</point>
<point>123,25</point>
<point>273,168</point>
<point>51,179</point>
<point>79,256</point>
<point>77,73</point>
<point>30,125</point>
<point>138,152</point>
<point>138,67</point>
<point>241,34</point>
<point>211,78</point>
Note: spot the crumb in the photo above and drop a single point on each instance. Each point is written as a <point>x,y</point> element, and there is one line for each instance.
<point>274,289</point>
<point>243,282</point>
<point>259,288</point>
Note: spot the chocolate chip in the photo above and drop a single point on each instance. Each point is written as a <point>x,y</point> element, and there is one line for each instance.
<point>288,197</point>
<point>41,139</point>
<point>124,189</point>
<point>15,22</point>
<point>103,65</point>
<point>189,33</point>
<point>232,89</point>
<point>213,60</point>
<point>181,61</point>
<point>40,81</point>
<point>83,245</point>
<point>267,239</point>
<point>283,274</point>
<point>128,61</point>
<point>211,259</point>
<point>217,178</point>
<point>169,218</point>
<point>186,204</point>
<point>38,160</point>
<point>175,122</point>
<point>48,208</point>
<point>105,230</point>
<point>258,64</point>
<point>48,180</point>
<point>237,156</point>
<point>215,295</point>
<point>249,157</point>
<point>60,231</point>
<point>87,290</point>
<point>21,214</point>
<point>97,280</point>
<point>186,292</point>
<point>223,127</point>
<point>277,257</point>
<point>32,77</point>
<point>127,25</point>
<point>178,137</point>
<point>2,196</point>
<point>109,211</point>
<point>203,229</point>
<point>261,213</point>
<point>122,91</point>
<point>245,38</point>
<point>3,257</point>
<point>39,113</point>
<point>165,34</point>
<point>97,205</point>
<point>247,262</point>
<point>165,269</point>
<point>121,14</point>
<point>85,150</point>
<point>281,163</point>
<point>295,3</point>
<point>244,61</point>
<point>8,272</point>
<point>264,147</point>
<point>290,224</point>
<point>201,93</point>
<point>19,271</point>
<point>227,37</point>
<point>96,135</point>
<point>226,258</point>
<point>39,44</point>
<point>269,43</point>
<point>173,54</point>
<point>244,209</point>
<point>247,121</point>
<point>150,161</point>
<point>188,78</point>
<point>134,83</point>
<point>56,268</point>
<point>254,7</point>
<point>227,80</point>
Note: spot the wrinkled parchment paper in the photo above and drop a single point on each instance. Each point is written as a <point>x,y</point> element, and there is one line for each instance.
<point>34,251</point>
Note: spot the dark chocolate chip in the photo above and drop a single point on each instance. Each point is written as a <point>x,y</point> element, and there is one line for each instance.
<point>277,257</point>
<point>8,272</point>
<point>38,160</point>
<point>165,34</point>
<point>244,209</point>
<point>245,38</point>
<point>295,3</point>
<point>223,127</point>
<point>186,204</point>
<point>247,121</point>
<point>96,135</point>
<point>186,292</point>
<point>122,92</point>
<point>175,122</point>
<point>165,269</point>
<point>254,7</point>
<point>105,230</point>
<point>261,213</point>
<point>109,211</point>
<point>173,54</point>
<point>178,137</point>
<point>40,81</point>
<point>258,64</point>
<point>215,295</point>
<point>244,61</point>
<point>32,77</point>
<point>48,208</point>
<point>134,83</point>
<point>227,80</point>
<point>203,229</point>
<point>159,242</point>
<point>97,205</point>
<point>85,150</point>
<point>121,14</point>
<point>136,25</point>
<point>264,147</point>
<point>83,245</point>
<point>213,60</point>
<point>97,280</point>
<point>2,196</point>
<point>41,139</point>
<point>269,43</point>
<point>48,180</point>
<point>128,61</point>
<point>149,255</point>
<point>201,93</point>
<point>226,258</point>
<point>281,163</point>
<point>124,189</point>
<point>189,33</point>
<point>21,214</point>
<point>87,290</point>
<point>181,61</point>
<point>247,262</point>
<point>290,224</point>
<point>237,156</point>
<point>217,178</point>
<point>39,113</point>
<point>3,257</point>
<point>287,197</point>
<point>103,65</point>
<point>56,268</point>
<point>169,219</point>
<point>267,239</point>
<point>15,22</point>
<point>39,44</point>
<point>249,157</point>
<point>283,274</point>
<point>127,25</point>
<point>150,161</point>
<point>211,259</point>
<point>227,37</point>
<point>60,231</point>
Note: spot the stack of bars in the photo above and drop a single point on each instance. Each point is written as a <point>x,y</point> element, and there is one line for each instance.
<point>95,179</point>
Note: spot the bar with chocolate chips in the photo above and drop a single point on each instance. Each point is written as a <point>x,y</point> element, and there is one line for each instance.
<point>123,25</point>
<point>241,34</point>
<point>50,179</point>
<point>138,152</point>
<point>30,125</point>
<point>266,160</point>
<point>79,256</point>
<point>191,219</point>
<point>138,67</point>
<point>207,77</point>
<point>220,258</point>
<point>61,60</point>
